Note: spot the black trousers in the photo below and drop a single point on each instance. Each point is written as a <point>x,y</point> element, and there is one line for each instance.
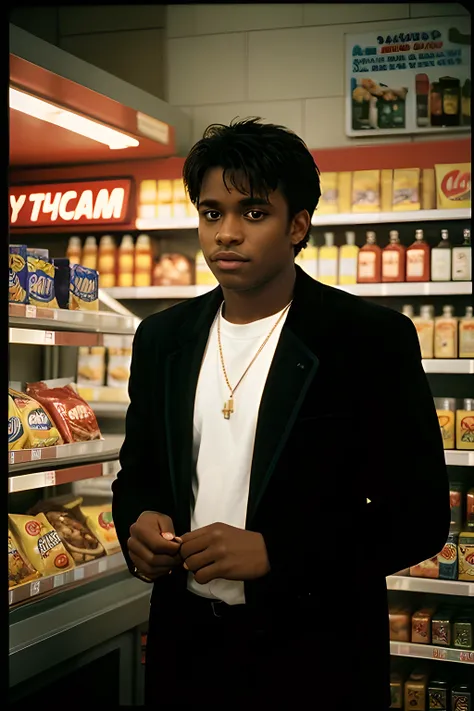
<point>214,655</point>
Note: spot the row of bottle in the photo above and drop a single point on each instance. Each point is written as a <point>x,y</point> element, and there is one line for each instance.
<point>395,263</point>
<point>456,425</point>
<point>128,265</point>
<point>444,336</point>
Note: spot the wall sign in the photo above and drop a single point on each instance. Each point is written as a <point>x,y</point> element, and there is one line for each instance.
<point>94,202</point>
<point>413,79</point>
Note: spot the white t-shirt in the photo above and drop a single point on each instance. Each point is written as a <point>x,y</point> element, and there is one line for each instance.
<point>223,449</point>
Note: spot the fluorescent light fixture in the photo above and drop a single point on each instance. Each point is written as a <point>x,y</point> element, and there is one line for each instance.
<point>45,111</point>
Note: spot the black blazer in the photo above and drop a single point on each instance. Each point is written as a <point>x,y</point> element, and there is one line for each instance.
<point>346,415</point>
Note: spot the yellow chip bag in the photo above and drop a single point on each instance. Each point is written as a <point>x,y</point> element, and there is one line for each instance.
<point>41,282</point>
<point>20,569</point>
<point>41,543</point>
<point>36,423</point>
<point>99,520</point>
<point>17,436</point>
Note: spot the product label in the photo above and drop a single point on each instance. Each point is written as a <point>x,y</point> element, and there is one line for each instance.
<point>84,284</point>
<point>390,263</point>
<point>441,265</point>
<point>106,520</point>
<point>38,420</point>
<point>466,427</point>
<point>47,542</point>
<point>367,265</point>
<point>445,340</point>
<point>438,699</point>
<point>466,340</point>
<point>415,263</point>
<point>461,264</point>
<point>327,267</point>
<point>106,263</point>
<point>425,336</point>
<point>446,424</point>
<point>15,429</point>
<point>348,267</point>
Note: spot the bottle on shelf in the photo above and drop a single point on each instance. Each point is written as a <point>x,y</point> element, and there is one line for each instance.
<point>408,311</point>
<point>446,334</point>
<point>89,253</point>
<point>466,334</point>
<point>446,412</point>
<point>461,268</point>
<point>328,260</point>
<point>369,263</point>
<point>143,266</point>
<point>418,259</point>
<point>465,425</point>
<point>106,260</point>
<point>307,259</point>
<point>422,84</point>
<point>424,324</point>
<point>441,259</point>
<point>348,254</point>
<point>393,259</point>
<point>125,261</point>
<point>74,250</point>
<point>466,103</point>
<point>204,276</point>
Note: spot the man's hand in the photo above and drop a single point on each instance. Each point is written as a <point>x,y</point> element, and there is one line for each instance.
<point>222,551</point>
<point>151,545</point>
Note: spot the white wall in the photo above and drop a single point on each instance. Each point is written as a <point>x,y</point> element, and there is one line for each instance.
<point>283,62</point>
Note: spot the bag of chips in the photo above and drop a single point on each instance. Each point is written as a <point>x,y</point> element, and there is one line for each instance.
<point>99,520</point>
<point>73,416</point>
<point>37,425</point>
<point>41,282</point>
<point>41,543</point>
<point>20,569</point>
<point>17,436</point>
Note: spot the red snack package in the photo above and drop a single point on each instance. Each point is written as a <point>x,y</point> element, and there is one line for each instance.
<point>72,415</point>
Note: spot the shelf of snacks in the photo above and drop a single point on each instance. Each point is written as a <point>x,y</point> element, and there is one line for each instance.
<point>39,337</point>
<point>430,585</point>
<point>27,316</point>
<point>64,455</point>
<point>427,651</point>
<point>86,571</point>
<point>56,477</point>
<point>461,366</point>
<point>458,458</point>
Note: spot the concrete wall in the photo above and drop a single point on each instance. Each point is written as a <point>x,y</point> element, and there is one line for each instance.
<point>282,62</point>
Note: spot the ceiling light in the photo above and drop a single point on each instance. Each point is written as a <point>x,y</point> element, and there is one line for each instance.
<point>45,111</point>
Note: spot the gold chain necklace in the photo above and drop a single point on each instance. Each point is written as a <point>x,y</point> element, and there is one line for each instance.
<point>229,405</point>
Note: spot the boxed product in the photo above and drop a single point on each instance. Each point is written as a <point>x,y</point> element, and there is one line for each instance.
<point>118,367</point>
<point>164,199</point>
<point>463,637</point>
<point>18,274</point>
<point>61,282</point>
<point>421,626</point>
<point>344,191</point>
<point>173,270</point>
<point>328,202</point>
<point>428,189</point>
<point>386,190</point>
<point>20,569</point>
<point>147,200</point>
<point>400,623</point>
<point>466,556</point>
<point>41,282</point>
<point>83,288</point>
<point>448,559</point>
<point>91,366</point>
<point>406,189</point>
<point>35,422</point>
<point>99,520</point>
<point>426,569</point>
<point>41,543</point>
<point>366,191</point>
<point>441,628</point>
<point>73,416</point>
<point>453,185</point>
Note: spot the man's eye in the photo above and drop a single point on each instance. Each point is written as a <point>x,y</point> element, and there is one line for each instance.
<point>255,215</point>
<point>211,215</point>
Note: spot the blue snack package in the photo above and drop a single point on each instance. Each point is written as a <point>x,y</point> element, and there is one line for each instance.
<point>83,288</point>
<point>18,274</point>
<point>41,282</point>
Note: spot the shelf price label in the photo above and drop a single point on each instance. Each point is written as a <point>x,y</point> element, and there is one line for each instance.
<point>30,311</point>
<point>466,657</point>
<point>35,454</point>
<point>35,587</point>
<point>102,567</point>
<point>12,457</point>
<point>58,580</point>
<point>49,338</point>
<point>78,573</point>
<point>439,653</point>
<point>50,478</point>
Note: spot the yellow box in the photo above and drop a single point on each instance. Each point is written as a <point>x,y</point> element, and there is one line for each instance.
<point>344,187</point>
<point>366,191</point>
<point>453,185</point>
<point>147,193</point>
<point>406,189</point>
<point>428,189</point>
<point>386,186</point>
<point>328,202</point>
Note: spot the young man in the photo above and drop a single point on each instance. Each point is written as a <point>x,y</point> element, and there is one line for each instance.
<point>263,416</point>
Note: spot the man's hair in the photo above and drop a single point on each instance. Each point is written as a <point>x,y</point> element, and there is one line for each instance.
<point>257,158</point>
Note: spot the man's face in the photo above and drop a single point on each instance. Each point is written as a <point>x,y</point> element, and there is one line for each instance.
<point>246,241</point>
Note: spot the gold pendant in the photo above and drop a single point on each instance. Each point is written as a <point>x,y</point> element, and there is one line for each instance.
<point>228,409</point>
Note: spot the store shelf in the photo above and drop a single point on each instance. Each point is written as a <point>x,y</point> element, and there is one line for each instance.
<point>427,651</point>
<point>64,455</point>
<point>55,477</point>
<point>38,337</point>
<point>459,458</point>
<point>457,366</point>
<point>187,223</point>
<point>428,585</point>
<point>115,410</point>
<point>86,571</point>
<point>450,288</point>
<point>25,316</point>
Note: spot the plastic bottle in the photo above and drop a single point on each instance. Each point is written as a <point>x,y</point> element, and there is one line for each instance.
<point>106,262</point>
<point>446,334</point>
<point>466,334</point>
<point>348,255</point>
<point>424,324</point>
<point>461,268</point>
<point>465,425</point>
<point>328,261</point>
<point>369,264</point>
<point>441,259</point>
<point>89,253</point>
<point>143,261</point>
<point>74,250</point>
<point>125,261</point>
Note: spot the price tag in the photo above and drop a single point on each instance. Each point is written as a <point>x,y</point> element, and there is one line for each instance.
<point>439,653</point>
<point>49,337</point>
<point>466,657</point>
<point>35,588</point>
<point>78,573</point>
<point>12,457</point>
<point>102,567</point>
<point>50,478</point>
<point>58,580</point>
<point>30,311</point>
<point>35,454</point>
<point>10,597</point>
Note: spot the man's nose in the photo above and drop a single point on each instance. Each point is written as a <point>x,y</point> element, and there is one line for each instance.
<point>230,231</point>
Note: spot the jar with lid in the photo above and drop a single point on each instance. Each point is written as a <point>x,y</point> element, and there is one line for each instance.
<point>436,105</point>
<point>451,98</point>
<point>445,409</point>
<point>465,425</point>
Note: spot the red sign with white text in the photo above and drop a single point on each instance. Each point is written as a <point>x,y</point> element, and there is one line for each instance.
<point>95,202</point>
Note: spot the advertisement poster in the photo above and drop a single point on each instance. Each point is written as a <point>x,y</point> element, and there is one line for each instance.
<point>416,79</point>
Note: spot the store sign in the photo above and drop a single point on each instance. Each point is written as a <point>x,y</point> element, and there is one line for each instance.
<point>412,79</point>
<point>94,202</point>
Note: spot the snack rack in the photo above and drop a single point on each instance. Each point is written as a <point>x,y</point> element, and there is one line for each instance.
<point>89,617</point>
